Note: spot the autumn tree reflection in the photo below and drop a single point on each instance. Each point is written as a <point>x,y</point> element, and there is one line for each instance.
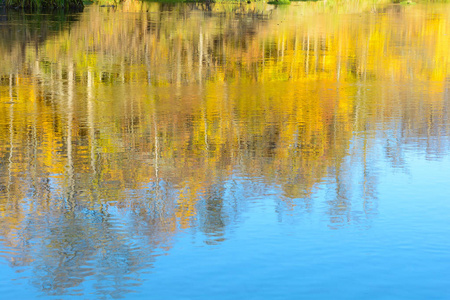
<point>123,131</point>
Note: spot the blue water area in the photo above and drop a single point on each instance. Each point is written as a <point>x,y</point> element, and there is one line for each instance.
<point>400,251</point>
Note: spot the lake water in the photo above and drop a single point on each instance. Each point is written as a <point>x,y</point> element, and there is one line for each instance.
<point>156,151</point>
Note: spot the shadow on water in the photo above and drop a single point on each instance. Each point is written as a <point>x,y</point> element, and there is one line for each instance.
<point>20,26</point>
<point>20,30</point>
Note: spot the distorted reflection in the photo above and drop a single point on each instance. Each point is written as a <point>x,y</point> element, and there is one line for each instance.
<point>120,130</point>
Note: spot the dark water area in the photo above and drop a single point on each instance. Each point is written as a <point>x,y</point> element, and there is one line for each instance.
<point>189,151</point>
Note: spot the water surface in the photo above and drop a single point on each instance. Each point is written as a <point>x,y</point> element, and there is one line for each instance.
<point>155,151</point>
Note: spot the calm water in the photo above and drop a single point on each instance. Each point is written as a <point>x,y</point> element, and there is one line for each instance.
<point>155,151</point>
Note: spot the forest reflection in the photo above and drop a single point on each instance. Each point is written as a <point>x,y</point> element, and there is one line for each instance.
<point>120,130</point>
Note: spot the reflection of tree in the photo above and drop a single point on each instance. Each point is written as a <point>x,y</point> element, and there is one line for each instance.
<point>113,142</point>
<point>83,243</point>
<point>212,215</point>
